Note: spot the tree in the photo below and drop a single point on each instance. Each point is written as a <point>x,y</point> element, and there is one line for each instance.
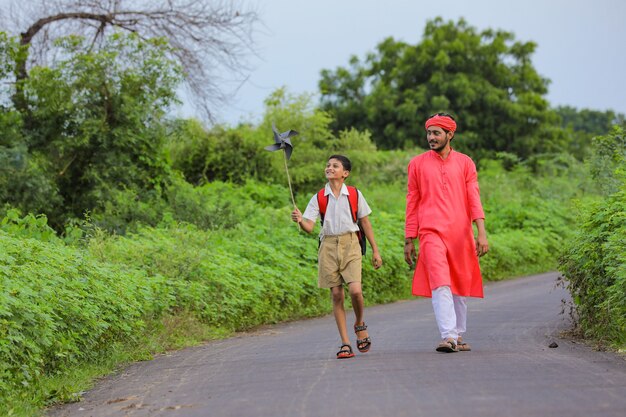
<point>24,182</point>
<point>593,122</point>
<point>208,38</point>
<point>608,161</point>
<point>584,124</point>
<point>486,79</point>
<point>96,127</point>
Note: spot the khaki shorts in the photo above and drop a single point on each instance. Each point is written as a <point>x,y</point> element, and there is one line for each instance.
<point>338,260</point>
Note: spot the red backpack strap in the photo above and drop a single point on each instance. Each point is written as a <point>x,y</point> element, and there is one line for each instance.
<point>322,202</point>
<point>353,199</point>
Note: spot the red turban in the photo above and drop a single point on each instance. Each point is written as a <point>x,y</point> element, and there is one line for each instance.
<point>444,122</point>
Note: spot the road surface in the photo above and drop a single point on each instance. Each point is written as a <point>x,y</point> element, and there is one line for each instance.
<point>290,369</point>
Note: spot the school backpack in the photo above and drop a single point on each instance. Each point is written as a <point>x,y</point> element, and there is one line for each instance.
<point>353,200</point>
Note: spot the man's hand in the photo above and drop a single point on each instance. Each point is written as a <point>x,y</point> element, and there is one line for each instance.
<point>409,251</point>
<point>482,247</point>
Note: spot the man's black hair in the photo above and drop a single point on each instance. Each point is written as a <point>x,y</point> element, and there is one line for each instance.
<point>443,115</point>
<point>347,165</point>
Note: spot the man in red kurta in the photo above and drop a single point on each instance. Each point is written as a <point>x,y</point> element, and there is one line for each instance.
<point>443,200</point>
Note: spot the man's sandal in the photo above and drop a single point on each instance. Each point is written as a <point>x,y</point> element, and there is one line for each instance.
<point>362,344</point>
<point>345,351</point>
<point>462,346</point>
<point>447,346</point>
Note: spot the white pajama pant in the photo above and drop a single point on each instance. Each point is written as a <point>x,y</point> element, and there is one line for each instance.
<point>450,312</point>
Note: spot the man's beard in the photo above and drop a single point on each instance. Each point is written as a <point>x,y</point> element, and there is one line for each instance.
<point>438,145</point>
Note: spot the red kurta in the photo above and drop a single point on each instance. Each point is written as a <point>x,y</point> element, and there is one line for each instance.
<point>442,201</point>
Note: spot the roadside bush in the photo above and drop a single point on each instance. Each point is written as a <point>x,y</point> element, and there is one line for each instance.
<point>29,226</point>
<point>258,272</point>
<point>529,217</point>
<point>59,307</point>
<point>593,261</point>
<point>515,253</point>
<point>126,207</point>
<point>594,268</point>
<point>233,279</point>
<point>215,205</point>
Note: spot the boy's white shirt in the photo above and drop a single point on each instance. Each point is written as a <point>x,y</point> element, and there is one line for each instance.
<point>338,217</point>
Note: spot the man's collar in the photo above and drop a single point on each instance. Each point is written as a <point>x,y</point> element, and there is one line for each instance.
<point>436,154</point>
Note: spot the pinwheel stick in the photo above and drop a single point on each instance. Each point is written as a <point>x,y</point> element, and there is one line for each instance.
<point>293,200</point>
<point>282,141</point>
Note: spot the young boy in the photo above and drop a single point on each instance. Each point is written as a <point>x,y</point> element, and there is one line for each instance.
<point>339,254</point>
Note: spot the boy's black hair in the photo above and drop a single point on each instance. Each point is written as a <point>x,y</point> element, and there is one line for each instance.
<point>347,165</point>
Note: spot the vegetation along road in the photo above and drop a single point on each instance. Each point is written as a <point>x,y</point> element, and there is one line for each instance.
<point>290,369</point>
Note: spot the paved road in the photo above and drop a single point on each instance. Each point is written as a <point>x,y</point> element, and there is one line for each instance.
<point>291,370</point>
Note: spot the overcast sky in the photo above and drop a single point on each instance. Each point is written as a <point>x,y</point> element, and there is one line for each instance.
<point>581,43</point>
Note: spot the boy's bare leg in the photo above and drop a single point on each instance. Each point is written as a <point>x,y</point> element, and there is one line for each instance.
<point>340,313</point>
<point>356,294</point>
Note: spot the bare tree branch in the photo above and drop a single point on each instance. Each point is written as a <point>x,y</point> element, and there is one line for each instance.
<point>210,38</point>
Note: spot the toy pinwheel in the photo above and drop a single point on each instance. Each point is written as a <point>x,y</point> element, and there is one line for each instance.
<point>281,141</point>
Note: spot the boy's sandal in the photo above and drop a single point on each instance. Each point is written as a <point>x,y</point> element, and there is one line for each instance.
<point>447,346</point>
<point>362,344</point>
<point>345,351</point>
<point>462,346</point>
